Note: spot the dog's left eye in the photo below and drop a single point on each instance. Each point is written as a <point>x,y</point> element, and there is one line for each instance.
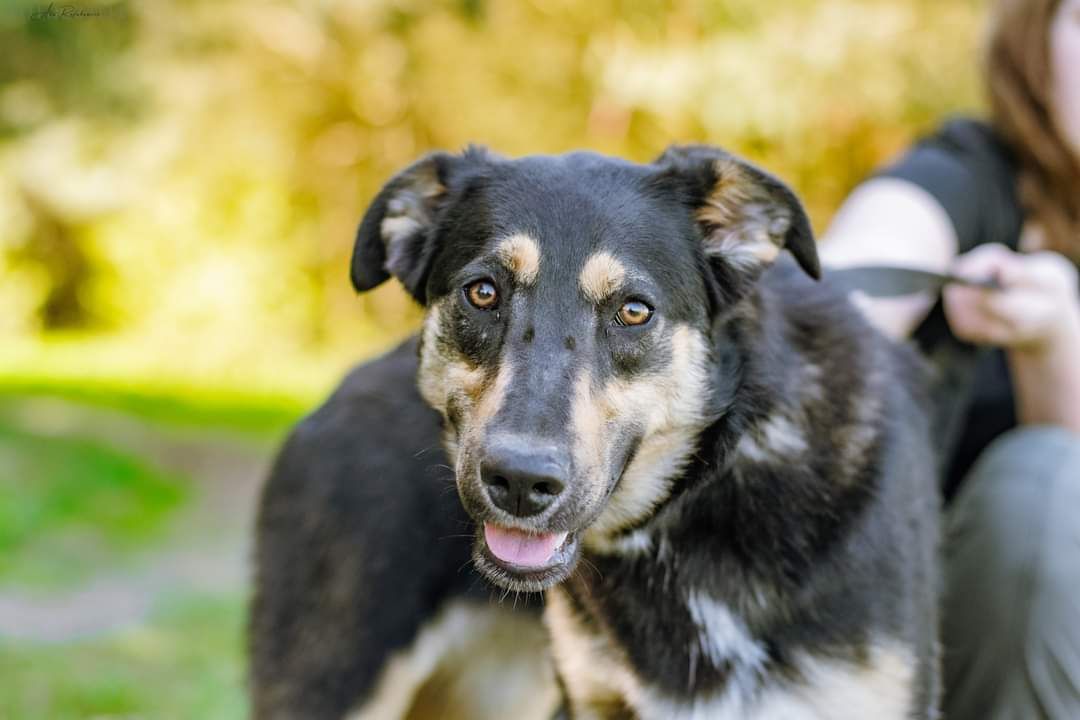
<point>633,312</point>
<point>482,294</point>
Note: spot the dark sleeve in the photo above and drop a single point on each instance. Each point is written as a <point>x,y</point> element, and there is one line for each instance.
<point>971,173</point>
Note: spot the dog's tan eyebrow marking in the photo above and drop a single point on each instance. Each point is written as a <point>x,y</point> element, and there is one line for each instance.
<point>520,254</point>
<point>601,276</point>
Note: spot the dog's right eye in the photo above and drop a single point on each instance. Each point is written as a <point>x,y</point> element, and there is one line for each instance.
<point>482,294</point>
<point>633,312</point>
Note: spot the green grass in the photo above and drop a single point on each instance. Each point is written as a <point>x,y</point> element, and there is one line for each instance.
<point>235,411</point>
<point>72,507</point>
<point>186,662</point>
<point>69,506</point>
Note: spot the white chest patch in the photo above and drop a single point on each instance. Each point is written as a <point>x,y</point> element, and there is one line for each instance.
<point>594,668</point>
<point>723,636</point>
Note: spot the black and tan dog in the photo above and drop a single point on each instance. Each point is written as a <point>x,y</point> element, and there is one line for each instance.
<point>721,477</point>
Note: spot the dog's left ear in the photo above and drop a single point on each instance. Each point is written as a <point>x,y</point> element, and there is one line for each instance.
<point>397,236</point>
<point>746,215</point>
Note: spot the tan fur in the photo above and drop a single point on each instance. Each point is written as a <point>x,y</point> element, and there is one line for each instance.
<point>591,666</point>
<point>439,373</point>
<point>670,406</point>
<point>589,423</point>
<point>741,234</point>
<point>446,672</point>
<point>861,431</point>
<point>444,377</point>
<point>520,254</point>
<point>489,402</point>
<point>601,276</point>
<point>732,190</point>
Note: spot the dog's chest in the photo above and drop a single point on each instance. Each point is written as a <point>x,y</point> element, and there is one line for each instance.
<point>631,657</point>
<point>724,671</point>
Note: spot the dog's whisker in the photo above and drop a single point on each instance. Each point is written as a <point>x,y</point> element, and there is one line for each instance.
<point>587,563</point>
<point>426,450</point>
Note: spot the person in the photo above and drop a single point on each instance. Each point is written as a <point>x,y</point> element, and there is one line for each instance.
<point>1000,199</point>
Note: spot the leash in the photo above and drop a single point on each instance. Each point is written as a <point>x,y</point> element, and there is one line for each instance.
<point>893,281</point>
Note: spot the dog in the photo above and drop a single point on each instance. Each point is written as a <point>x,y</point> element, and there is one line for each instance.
<point>720,477</point>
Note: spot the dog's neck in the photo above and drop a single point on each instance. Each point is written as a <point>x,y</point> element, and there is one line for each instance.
<point>754,513</point>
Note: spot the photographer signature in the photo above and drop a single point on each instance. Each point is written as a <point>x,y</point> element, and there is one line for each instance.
<point>71,12</point>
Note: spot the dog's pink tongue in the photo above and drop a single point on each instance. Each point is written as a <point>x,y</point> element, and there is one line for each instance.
<point>521,549</point>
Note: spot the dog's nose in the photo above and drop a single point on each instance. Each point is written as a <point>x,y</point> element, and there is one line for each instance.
<point>522,478</point>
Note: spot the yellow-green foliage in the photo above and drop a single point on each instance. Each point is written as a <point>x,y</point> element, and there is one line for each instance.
<point>204,226</point>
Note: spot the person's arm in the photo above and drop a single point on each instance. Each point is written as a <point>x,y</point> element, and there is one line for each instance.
<point>894,222</point>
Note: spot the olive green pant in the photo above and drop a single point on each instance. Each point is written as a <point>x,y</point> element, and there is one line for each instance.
<point>1011,624</point>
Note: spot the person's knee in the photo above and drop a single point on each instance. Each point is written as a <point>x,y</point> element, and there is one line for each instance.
<point>1025,479</point>
<point>1046,451</point>
<point>1048,472</point>
<point>1012,575</point>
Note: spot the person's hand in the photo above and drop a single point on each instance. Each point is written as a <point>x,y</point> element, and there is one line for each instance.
<point>1035,316</point>
<point>1037,308</point>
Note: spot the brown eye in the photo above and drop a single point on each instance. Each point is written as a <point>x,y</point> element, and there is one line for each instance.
<point>482,294</point>
<point>634,312</point>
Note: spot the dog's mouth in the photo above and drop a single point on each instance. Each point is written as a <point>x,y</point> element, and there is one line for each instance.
<point>521,560</point>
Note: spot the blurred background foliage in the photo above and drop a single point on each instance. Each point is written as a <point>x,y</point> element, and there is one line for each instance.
<point>181,179</point>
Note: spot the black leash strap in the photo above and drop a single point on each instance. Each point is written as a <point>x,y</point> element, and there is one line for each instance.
<point>892,281</point>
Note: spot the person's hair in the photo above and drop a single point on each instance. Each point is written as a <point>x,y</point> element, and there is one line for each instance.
<point>1021,98</point>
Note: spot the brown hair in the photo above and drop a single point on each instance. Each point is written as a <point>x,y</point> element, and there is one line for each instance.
<point>1019,81</point>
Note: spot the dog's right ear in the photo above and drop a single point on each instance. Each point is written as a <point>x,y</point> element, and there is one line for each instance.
<point>397,235</point>
<point>746,215</point>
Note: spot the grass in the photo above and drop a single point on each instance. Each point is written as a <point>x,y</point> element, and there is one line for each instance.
<point>69,506</point>
<point>72,507</point>
<point>263,392</point>
<point>234,411</point>
<point>186,662</point>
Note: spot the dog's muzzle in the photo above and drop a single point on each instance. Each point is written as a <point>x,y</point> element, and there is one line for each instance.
<point>524,482</point>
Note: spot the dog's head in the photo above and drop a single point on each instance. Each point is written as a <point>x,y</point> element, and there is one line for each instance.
<point>568,340</point>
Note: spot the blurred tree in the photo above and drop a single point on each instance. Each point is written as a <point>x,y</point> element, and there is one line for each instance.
<point>56,66</point>
<point>53,247</point>
<point>190,172</point>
